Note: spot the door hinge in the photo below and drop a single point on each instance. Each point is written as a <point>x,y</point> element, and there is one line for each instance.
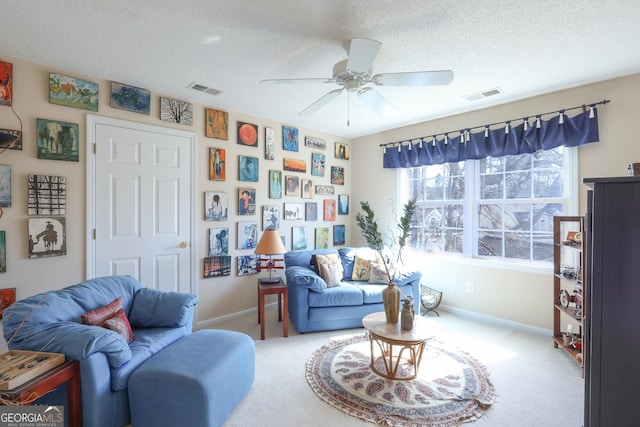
<point>94,148</point>
<point>94,234</point>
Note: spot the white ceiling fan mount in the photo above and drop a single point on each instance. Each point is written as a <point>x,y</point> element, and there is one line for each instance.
<point>355,75</point>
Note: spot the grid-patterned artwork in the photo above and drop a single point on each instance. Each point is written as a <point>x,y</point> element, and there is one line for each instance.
<point>47,195</point>
<point>217,266</point>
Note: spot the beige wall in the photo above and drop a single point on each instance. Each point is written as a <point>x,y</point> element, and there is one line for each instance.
<point>219,297</point>
<point>507,293</point>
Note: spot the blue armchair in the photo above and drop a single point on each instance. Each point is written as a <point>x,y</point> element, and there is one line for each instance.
<point>51,322</point>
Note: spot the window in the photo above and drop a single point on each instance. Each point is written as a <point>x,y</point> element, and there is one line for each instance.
<point>495,208</point>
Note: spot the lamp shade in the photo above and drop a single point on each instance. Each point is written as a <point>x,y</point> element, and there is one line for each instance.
<point>270,244</point>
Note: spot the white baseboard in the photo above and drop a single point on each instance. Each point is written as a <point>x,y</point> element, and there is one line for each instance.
<point>210,323</point>
<point>497,320</point>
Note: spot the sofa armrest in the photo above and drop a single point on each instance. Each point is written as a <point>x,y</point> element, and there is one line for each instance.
<point>305,277</point>
<point>157,309</point>
<point>76,341</point>
<point>408,277</point>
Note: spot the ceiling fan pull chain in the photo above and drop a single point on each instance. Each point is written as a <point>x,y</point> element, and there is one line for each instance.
<point>348,117</point>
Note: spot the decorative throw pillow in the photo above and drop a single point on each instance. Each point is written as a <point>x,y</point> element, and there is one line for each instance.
<point>329,259</point>
<point>121,325</point>
<point>99,315</point>
<point>331,273</point>
<point>378,274</point>
<point>362,266</point>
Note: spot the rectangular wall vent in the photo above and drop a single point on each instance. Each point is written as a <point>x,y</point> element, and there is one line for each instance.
<point>203,88</point>
<point>484,94</point>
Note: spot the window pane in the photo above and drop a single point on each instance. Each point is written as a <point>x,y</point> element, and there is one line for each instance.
<point>490,244</point>
<point>548,183</point>
<point>491,186</point>
<point>518,185</point>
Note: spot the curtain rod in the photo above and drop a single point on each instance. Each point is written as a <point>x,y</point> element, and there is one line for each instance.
<point>583,107</point>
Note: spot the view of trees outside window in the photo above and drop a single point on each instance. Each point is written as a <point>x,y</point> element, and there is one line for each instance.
<point>508,211</point>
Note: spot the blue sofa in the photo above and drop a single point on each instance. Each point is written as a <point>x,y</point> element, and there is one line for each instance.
<point>315,307</point>
<point>51,322</point>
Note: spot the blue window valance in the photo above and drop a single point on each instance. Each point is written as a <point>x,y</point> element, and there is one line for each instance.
<point>529,136</point>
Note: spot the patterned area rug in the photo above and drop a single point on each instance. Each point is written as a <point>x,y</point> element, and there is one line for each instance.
<point>451,388</point>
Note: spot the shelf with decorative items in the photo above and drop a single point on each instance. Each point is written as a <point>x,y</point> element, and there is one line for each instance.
<point>568,286</point>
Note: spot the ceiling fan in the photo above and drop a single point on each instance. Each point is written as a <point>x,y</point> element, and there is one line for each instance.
<point>355,75</point>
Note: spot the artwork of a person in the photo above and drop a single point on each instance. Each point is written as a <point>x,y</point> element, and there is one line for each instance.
<point>245,202</point>
<point>217,210</point>
<point>293,186</point>
<point>217,165</point>
<point>275,186</point>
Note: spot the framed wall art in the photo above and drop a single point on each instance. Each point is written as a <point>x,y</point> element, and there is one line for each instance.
<point>5,186</point>
<point>58,140</point>
<point>7,297</point>
<point>247,134</point>
<point>248,168</point>
<point>248,264</point>
<point>338,235</point>
<point>130,98</point>
<point>275,184</point>
<point>3,255</point>
<point>317,164</point>
<point>325,190</point>
<point>217,164</point>
<point>306,188</point>
<point>289,138</point>
<point>47,237</point>
<point>311,211</point>
<point>6,83</point>
<point>329,210</point>
<point>247,234</point>
<point>322,238</point>
<point>7,137</point>
<point>293,211</point>
<point>317,143</point>
<point>292,185</point>
<point>343,204</point>
<point>294,165</point>
<point>72,92</point>
<point>176,111</point>
<point>216,206</point>
<point>217,266</point>
<point>337,175</point>
<point>246,201</point>
<point>270,217</point>
<point>341,151</point>
<point>217,124</point>
<point>269,143</point>
<point>298,238</point>
<point>218,241</point>
<point>47,195</point>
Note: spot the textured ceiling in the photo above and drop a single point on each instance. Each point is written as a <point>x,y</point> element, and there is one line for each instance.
<point>524,48</point>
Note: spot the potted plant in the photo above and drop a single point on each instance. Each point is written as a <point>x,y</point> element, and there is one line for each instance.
<point>373,237</point>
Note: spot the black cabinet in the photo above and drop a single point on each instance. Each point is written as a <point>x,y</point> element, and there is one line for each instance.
<point>612,323</point>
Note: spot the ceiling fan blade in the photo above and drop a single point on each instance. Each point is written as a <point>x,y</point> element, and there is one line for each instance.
<point>288,81</point>
<point>361,55</point>
<point>324,100</point>
<point>416,78</point>
<point>376,101</point>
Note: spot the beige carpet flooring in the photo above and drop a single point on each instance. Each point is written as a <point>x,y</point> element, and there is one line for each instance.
<point>536,384</point>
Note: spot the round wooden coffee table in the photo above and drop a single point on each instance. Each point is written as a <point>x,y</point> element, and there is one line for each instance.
<point>395,347</point>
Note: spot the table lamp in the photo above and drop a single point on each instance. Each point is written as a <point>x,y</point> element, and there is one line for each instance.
<point>270,244</point>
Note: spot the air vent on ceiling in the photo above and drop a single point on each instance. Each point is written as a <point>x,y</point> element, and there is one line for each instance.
<point>203,88</point>
<point>484,94</point>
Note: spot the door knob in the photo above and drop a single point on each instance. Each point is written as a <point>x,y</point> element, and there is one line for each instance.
<point>183,245</point>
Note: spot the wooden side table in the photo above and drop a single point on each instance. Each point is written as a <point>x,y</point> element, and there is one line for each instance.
<point>279,288</point>
<point>68,372</point>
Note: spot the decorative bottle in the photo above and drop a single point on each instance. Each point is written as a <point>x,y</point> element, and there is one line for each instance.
<point>391,296</point>
<point>406,320</point>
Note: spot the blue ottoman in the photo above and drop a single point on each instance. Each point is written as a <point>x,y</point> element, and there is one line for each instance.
<point>197,381</point>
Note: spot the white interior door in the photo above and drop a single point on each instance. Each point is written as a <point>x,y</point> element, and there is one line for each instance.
<point>141,202</point>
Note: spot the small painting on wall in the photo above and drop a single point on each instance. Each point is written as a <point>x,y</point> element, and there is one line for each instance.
<point>317,143</point>
<point>72,92</point>
<point>216,205</point>
<point>341,151</point>
<point>337,175</point>
<point>295,165</point>
<point>306,187</point>
<point>338,235</point>
<point>47,237</point>
<point>322,238</point>
<point>343,204</point>
<point>269,143</point>
<point>248,168</point>
<point>270,217</point>
<point>289,138</point>
<point>275,184</point>
<point>217,164</point>
<point>7,297</point>
<point>6,83</point>
<point>176,111</point>
<point>130,98</point>
<point>317,164</point>
<point>293,211</point>
<point>7,138</point>
<point>218,241</point>
<point>248,264</point>
<point>217,124</point>
<point>329,210</point>
<point>292,187</point>
<point>246,201</point>
<point>5,186</point>
<point>247,234</point>
<point>217,266</point>
<point>311,211</point>
<point>3,255</point>
<point>247,134</point>
<point>298,238</point>
<point>58,140</point>
<point>47,195</point>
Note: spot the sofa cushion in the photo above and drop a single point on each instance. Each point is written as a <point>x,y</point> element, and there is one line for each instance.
<point>331,273</point>
<point>378,274</point>
<point>156,309</point>
<point>371,293</point>
<point>343,295</point>
<point>303,258</point>
<point>98,316</point>
<point>305,277</point>
<point>120,324</point>
<point>333,258</point>
<point>148,342</point>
